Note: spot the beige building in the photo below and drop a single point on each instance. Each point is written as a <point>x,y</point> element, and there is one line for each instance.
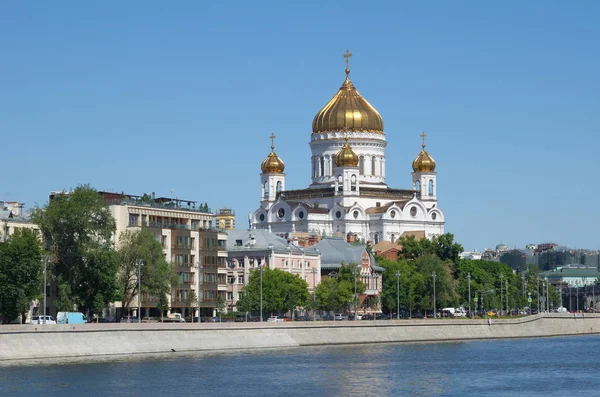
<point>225,219</point>
<point>190,242</point>
<point>12,218</point>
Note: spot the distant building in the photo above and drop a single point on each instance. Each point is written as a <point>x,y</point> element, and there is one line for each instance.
<point>12,218</point>
<point>225,219</point>
<point>573,275</point>
<point>473,255</point>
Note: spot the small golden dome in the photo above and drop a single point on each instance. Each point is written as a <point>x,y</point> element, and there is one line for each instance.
<point>346,156</point>
<point>348,111</point>
<point>272,164</point>
<point>424,162</point>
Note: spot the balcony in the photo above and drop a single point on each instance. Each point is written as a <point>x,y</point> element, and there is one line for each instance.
<point>174,205</point>
<point>183,246</point>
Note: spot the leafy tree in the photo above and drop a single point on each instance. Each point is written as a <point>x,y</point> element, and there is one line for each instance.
<point>333,295</point>
<point>442,246</point>
<point>98,305</point>
<point>192,302</point>
<point>163,305</point>
<point>98,280</point>
<point>21,273</point>
<point>220,305</point>
<point>77,228</point>
<point>157,274</point>
<point>63,301</point>
<point>282,292</point>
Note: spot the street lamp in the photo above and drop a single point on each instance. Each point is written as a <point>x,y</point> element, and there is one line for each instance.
<point>501,279</point>
<point>434,309</point>
<point>507,306</point>
<point>139,313</point>
<point>260,269</point>
<point>45,259</point>
<point>397,295</point>
<point>469,277</point>
<point>355,271</point>
<point>200,293</point>
<point>374,276</point>
<point>314,272</point>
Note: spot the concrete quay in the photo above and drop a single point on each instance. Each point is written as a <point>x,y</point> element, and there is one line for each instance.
<point>22,343</point>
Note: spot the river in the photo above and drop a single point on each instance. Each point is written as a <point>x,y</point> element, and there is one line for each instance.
<point>524,367</point>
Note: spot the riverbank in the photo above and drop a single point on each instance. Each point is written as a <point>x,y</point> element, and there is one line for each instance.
<point>22,343</point>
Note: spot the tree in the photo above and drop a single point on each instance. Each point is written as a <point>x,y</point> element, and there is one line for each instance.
<point>157,274</point>
<point>63,301</point>
<point>98,305</point>
<point>333,295</point>
<point>282,292</point>
<point>220,305</point>
<point>442,246</point>
<point>163,305</point>
<point>192,303</point>
<point>78,228</point>
<point>21,273</point>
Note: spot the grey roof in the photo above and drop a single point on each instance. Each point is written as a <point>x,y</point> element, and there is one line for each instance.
<point>572,272</point>
<point>335,251</point>
<point>260,240</point>
<point>9,216</point>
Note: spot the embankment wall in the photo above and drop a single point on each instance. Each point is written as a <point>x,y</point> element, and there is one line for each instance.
<point>35,342</point>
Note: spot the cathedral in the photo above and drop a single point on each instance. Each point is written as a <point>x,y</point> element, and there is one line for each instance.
<point>348,195</point>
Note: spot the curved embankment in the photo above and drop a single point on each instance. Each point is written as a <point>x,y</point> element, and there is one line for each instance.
<point>20,343</point>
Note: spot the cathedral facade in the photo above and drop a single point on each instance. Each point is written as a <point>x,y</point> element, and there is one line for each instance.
<point>348,195</point>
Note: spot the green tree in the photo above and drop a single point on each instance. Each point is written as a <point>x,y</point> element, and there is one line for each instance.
<point>21,273</point>
<point>63,301</point>
<point>282,292</point>
<point>163,305</point>
<point>220,304</point>
<point>337,292</point>
<point>442,246</point>
<point>98,305</point>
<point>78,228</point>
<point>157,275</point>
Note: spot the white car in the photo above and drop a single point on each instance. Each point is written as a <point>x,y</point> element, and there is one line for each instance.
<point>275,319</point>
<point>40,320</point>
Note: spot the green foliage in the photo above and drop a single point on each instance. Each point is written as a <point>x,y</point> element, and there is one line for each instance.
<point>63,301</point>
<point>98,305</point>
<point>77,228</point>
<point>156,273</point>
<point>282,292</point>
<point>163,305</point>
<point>21,273</point>
<point>442,246</point>
<point>337,293</point>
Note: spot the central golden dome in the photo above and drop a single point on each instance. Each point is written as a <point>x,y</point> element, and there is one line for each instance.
<point>348,111</point>
<point>346,156</point>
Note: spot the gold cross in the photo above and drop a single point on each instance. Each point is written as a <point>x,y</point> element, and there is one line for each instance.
<point>347,56</point>
<point>272,141</point>
<point>423,135</point>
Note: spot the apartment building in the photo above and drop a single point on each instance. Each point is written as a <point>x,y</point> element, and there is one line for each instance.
<point>225,219</point>
<point>190,242</point>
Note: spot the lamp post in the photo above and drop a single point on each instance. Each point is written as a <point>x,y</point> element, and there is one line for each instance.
<point>374,277</point>
<point>507,306</point>
<point>434,309</point>
<point>200,293</point>
<point>354,272</point>
<point>501,283</point>
<point>139,263</point>
<point>538,293</point>
<point>45,258</point>
<point>260,269</point>
<point>314,272</point>
<point>469,278</point>
<point>397,295</point>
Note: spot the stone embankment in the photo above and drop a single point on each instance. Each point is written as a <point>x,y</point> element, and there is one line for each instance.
<point>20,343</point>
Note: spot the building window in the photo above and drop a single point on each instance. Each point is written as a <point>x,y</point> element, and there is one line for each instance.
<point>230,296</point>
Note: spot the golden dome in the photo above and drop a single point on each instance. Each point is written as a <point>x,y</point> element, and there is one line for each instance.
<point>424,162</point>
<point>346,156</point>
<point>348,111</point>
<point>272,164</point>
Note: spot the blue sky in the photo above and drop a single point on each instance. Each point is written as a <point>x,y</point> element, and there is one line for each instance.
<point>152,96</point>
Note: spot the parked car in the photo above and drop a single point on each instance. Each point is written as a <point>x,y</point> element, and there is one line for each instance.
<point>128,319</point>
<point>40,320</point>
<point>340,317</point>
<point>367,317</point>
<point>382,316</point>
<point>275,319</point>
<point>71,318</point>
<point>149,320</point>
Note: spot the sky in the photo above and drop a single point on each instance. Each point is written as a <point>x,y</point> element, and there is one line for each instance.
<point>179,98</point>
